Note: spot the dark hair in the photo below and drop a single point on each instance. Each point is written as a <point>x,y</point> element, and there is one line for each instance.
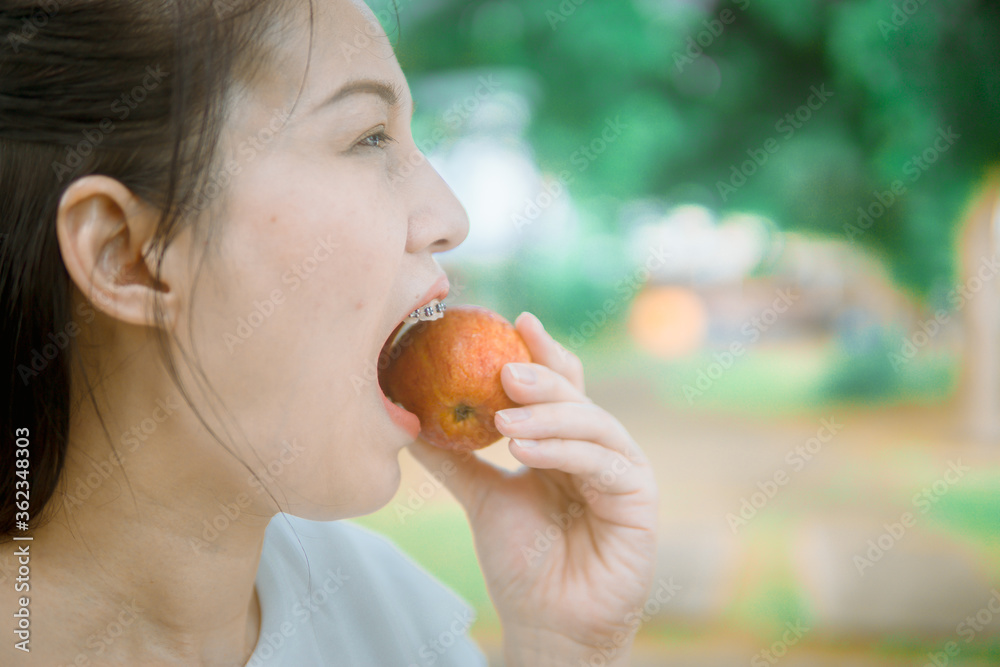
<point>132,89</point>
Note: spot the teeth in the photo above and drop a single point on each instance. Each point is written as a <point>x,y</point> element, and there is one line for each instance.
<point>432,311</point>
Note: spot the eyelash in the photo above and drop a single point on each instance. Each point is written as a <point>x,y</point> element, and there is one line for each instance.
<point>382,137</point>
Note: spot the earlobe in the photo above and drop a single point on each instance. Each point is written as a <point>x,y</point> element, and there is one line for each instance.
<point>103,230</point>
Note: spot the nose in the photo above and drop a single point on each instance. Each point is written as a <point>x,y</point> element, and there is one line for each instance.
<point>437,220</point>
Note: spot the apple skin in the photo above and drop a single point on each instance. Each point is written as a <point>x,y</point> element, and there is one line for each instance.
<point>447,372</point>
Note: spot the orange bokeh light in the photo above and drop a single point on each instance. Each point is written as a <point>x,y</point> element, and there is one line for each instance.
<point>668,321</point>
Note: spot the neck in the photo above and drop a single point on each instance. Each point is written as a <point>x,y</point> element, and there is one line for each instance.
<point>143,564</point>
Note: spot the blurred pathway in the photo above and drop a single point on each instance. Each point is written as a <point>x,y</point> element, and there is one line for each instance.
<point>876,533</point>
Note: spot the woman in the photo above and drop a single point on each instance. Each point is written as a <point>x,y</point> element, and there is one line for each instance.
<point>214,215</point>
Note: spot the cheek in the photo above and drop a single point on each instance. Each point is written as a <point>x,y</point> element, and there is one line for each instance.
<point>328,223</point>
<point>297,299</point>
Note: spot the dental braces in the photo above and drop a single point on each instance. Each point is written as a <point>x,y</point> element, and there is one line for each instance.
<point>432,311</point>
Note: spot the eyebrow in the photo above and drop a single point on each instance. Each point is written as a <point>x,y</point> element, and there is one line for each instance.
<point>388,92</point>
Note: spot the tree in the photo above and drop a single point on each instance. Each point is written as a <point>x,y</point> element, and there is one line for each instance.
<point>868,119</point>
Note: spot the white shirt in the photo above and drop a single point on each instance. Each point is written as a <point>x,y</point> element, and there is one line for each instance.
<point>368,605</point>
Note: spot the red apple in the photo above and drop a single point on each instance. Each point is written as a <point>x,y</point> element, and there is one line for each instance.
<point>447,373</point>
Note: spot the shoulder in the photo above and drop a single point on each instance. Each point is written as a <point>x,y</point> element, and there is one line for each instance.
<point>379,603</point>
<point>298,544</point>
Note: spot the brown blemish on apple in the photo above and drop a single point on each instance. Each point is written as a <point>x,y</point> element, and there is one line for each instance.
<point>463,412</point>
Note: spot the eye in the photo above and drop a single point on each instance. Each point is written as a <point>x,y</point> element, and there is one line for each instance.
<point>377,139</point>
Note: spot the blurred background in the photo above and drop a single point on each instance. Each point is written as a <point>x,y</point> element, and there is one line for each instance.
<point>769,229</point>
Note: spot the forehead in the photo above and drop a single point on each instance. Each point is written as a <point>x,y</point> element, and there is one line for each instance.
<point>348,44</point>
<point>349,29</point>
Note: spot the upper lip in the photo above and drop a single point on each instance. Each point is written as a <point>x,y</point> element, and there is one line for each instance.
<point>438,290</point>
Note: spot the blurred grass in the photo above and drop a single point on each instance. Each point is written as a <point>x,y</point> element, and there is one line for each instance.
<point>973,509</point>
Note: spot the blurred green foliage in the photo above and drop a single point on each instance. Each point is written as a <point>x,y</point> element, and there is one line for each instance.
<point>702,87</point>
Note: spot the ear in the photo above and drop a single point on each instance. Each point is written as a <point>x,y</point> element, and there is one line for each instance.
<point>105,233</point>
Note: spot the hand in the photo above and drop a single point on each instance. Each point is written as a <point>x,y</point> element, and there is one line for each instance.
<point>567,544</point>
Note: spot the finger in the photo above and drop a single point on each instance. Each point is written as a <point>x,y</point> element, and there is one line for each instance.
<point>599,469</point>
<point>464,474</point>
<point>535,383</point>
<point>569,421</point>
<point>547,351</point>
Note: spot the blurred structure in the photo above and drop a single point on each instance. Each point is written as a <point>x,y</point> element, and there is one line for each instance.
<point>980,296</point>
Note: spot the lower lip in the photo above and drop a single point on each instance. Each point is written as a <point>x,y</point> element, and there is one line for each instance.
<point>407,421</point>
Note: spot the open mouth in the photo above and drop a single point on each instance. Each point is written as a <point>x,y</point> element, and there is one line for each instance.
<point>391,350</point>
<point>399,415</point>
<point>433,310</point>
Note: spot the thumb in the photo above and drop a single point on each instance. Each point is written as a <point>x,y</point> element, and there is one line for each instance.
<point>468,477</point>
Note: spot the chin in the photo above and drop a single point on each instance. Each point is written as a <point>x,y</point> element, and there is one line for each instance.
<point>374,495</point>
<point>370,490</point>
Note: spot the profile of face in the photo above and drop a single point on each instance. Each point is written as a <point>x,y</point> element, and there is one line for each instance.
<point>326,242</point>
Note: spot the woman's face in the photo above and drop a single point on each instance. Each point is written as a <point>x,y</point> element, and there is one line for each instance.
<point>325,246</point>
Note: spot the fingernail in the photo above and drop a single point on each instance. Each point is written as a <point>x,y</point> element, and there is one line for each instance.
<point>512,415</point>
<point>527,444</point>
<point>522,373</point>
